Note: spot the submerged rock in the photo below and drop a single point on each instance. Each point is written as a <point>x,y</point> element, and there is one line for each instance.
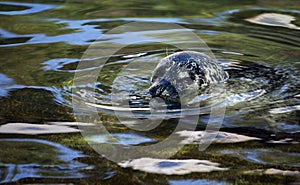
<point>34,129</point>
<point>195,137</point>
<point>172,166</point>
<point>266,156</point>
<point>67,123</point>
<point>273,171</point>
<point>274,19</point>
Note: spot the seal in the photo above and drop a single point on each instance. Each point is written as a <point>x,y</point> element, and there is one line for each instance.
<point>179,73</point>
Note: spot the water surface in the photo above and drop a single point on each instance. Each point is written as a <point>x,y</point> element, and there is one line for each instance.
<point>42,43</point>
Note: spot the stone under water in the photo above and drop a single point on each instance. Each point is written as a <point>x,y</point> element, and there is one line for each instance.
<point>172,166</point>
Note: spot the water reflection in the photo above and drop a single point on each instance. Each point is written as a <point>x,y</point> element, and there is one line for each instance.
<point>35,158</point>
<point>30,8</point>
<point>120,138</point>
<point>267,24</point>
<point>196,182</point>
<point>266,156</point>
<point>5,84</point>
<point>41,45</point>
<point>59,63</point>
<point>79,34</point>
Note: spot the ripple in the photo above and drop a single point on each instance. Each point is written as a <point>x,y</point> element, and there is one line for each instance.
<point>197,182</point>
<point>5,84</point>
<point>245,36</point>
<point>249,82</point>
<point>256,22</point>
<point>120,138</point>
<point>59,63</point>
<point>30,8</point>
<point>8,38</point>
<point>80,34</point>
<point>35,158</point>
<point>9,41</point>
<point>266,156</point>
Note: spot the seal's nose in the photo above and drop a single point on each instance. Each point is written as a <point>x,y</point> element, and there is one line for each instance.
<point>153,91</point>
<point>157,88</point>
<point>162,86</point>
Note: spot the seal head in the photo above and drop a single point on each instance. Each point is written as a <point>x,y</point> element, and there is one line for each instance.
<point>180,73</point>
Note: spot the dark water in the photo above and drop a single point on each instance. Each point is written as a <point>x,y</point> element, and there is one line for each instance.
<point>43,42</point>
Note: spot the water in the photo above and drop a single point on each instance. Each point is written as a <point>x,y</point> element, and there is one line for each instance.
<point>36,158</point>
<point>43,43</point>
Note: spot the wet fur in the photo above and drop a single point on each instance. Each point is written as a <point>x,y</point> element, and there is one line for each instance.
<point>183,71</point>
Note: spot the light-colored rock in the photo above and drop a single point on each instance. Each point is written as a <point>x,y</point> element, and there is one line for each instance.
<point>172,166</point>
<point>134,55</point>
<point>274,19</point>
<point>71,123</point>
<point>194,137</point>
<point>34,129</point>
<point>283,141</point>
<point>286,109</point>
<point>273,171</point>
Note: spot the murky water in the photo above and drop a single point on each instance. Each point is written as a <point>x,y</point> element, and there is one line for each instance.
<point>43,43</point>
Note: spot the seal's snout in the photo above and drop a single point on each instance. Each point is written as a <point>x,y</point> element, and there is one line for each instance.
<point>162,87</point>
<point>157,88</point>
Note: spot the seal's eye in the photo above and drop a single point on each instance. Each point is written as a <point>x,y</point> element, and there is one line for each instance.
<point>191,65</point>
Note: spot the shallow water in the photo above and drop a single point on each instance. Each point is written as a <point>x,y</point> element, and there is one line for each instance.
<point>33,158</point>
<point>43,42</point>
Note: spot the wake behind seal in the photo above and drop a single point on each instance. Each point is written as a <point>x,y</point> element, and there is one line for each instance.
<point>180,73</point>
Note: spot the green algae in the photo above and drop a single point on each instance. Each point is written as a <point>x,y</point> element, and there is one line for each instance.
<point>32,105</point>
<point>235,174</point>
